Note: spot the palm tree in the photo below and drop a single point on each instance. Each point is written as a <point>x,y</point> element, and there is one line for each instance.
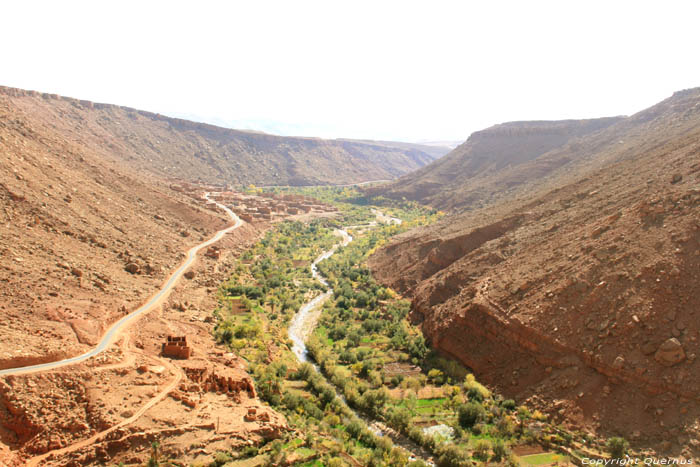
<point>153,461</point>
<point>272,301</point>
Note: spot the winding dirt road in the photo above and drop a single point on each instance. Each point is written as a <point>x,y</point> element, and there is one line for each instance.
<point>111,336</point>
<point>115,330</point>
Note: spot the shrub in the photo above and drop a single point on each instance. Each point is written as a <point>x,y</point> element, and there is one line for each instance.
<point>348,356</point>
<point>292,400</point>
<point>354,428</point>
<point>354,338</point>
<point>384,444</point>
<point>505,428</point>
<point>482,449</point>
<point>396,380</point>
<point>374,400</point>
<point>416,435</point>
<point>471,382</point>
<point>469,414</point>
<point>508,404</point>
<point>248,451</point>
<point>436,376</point>
<point>220,458</point>
<point>417,348</point>
<point>400,417</point>
<point>305,371</point>
<point>453,456</point>
<point>475,395</point>
<point>617,447</point>
<point>500,451</point>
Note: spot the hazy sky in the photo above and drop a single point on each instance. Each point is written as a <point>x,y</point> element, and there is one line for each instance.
<point>402,70</point>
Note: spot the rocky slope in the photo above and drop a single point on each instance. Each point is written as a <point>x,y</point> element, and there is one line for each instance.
<point>471,175</point>
<point>175,148</point>
<point>71,223</point>
<point>580,295</point>
<point>84,240</point>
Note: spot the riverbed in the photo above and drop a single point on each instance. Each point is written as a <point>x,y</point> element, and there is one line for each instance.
<point>304,323</point>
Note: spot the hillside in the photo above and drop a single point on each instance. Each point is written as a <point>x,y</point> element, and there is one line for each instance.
<point>579,295</point>
<point>175,148</point>
<point>473,173</point>
<point>84,241</point>
<point>435,151</point>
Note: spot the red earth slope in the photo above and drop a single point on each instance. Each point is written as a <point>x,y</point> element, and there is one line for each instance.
<point>581,295</point>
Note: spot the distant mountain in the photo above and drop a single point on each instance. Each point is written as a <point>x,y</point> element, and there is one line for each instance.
<point>488,163</point>
<point>183,149</point>
<point>446,144</point>
<point>417,149</point>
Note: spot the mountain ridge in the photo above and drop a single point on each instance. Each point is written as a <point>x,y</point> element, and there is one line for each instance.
<point>442,183</point>
<point>177,148</point>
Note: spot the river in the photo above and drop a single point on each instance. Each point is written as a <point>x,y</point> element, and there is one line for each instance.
<point>305,321</point>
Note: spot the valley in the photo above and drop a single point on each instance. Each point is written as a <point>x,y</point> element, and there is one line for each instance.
<point>176,293</point>
<point>379,364</point>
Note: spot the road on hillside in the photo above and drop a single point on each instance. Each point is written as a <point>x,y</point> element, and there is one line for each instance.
<point>112,333</point>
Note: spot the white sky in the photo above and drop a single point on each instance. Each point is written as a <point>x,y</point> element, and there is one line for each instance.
<point>429,70</point>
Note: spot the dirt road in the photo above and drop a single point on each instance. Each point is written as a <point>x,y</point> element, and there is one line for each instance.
<point>115,330</point>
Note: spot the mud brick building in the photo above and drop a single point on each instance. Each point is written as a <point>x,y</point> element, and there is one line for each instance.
<point>176,347</point>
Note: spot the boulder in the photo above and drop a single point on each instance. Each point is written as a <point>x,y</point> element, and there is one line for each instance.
<point>619,362</point>
<point>133,268</point>
<point>670,352</point>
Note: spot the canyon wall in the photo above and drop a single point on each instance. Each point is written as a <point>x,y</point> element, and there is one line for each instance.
<point>580,296</point>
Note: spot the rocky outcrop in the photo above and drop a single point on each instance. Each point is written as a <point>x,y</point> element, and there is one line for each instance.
<point>670,352</point>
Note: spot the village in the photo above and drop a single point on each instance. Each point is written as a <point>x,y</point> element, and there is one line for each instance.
<point>258,206</point>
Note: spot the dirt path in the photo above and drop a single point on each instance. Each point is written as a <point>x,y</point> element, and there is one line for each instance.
<point>128,353</point>
<point>41,460</point>
<point>115,330</point>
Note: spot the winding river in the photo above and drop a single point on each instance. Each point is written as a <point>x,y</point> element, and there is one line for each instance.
<point>306,318</point>
<point>304,323</point>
